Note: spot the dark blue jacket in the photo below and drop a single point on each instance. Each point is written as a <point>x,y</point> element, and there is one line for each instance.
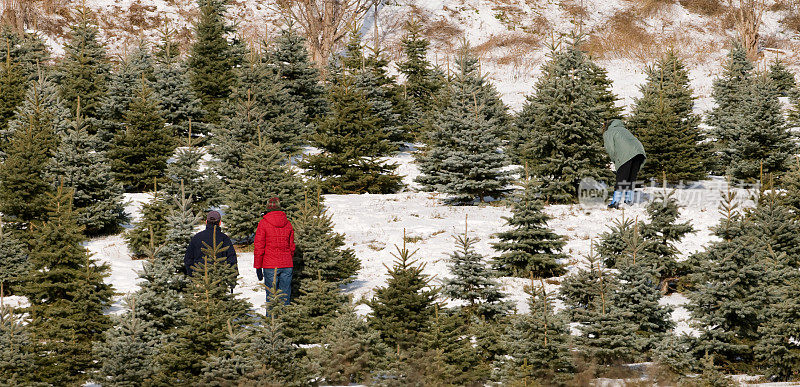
<point>205,240</point>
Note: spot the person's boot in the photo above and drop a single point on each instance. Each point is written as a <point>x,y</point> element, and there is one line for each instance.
<point>629,197</point>
<point>616,198</point>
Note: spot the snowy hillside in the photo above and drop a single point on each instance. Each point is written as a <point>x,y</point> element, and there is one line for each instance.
<point>510,36</point>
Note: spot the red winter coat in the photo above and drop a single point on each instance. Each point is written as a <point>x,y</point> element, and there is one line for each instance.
<point>274,244</point>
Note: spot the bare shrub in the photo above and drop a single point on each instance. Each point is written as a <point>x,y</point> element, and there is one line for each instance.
<point>649,7</point>
<point>621,36</point>
<point>704,7</point>
<point>748,16</point>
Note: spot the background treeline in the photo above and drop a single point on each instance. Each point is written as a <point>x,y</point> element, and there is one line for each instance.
<point>228,125</point>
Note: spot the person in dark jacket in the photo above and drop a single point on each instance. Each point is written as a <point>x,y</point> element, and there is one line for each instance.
<point>274,251</point>
<point>205,240</point>
<point>627,153</point>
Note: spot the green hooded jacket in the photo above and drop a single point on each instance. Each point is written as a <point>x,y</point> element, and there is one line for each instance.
<point>621,144</point>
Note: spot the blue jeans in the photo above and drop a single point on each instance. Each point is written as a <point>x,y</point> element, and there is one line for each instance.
<point>280,279</point>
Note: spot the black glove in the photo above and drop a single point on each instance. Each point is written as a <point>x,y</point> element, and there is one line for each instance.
<point>259,274</point>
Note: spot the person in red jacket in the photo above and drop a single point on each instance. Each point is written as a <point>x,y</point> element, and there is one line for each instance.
<point>274,250</point>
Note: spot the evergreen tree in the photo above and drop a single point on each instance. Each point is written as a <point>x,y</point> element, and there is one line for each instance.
<point>67,295</point>
<point>583,291</point>
<point>300,75</point>
<point>562,142</point>
<point>212,58</point>
<point>605,94</point>
<point>84,72</point>
<point>276,113</point>
<point>638,295</point>
<point>41,105</point>
<point>777,350</point>
<point>538,343</point>
<point>529,247</point>
<point>127,351</point>
<point>675,353</point>
<point>773,222</point>
<point>23,194</point>
<point>180,106</point>
<point>139,153</point>
<point>15,343</point>
<point>463,157</point>
<point>761,142</point>
<point>321,252</point>
<point>371,78</point>
<point>473,282</point>
<point>791,184</point>
<point>731,289</point>
<point>609,335</point>
<point>13,262</point>
<point>729,93</point>
<point>159,298</point>
<point>211,307</point>
<point>151,229</point>
<point>230,366</point>
<point>97,195</point>
<point>352,146</point>
<point>353,350</point>
<point>403,308</point>
<point>264,174</point>
<point>184,171</point>
<point>27,49</point>
<point>12,89</point>
<point>316,307</point>
<point>445,355</point>
<point>664,121</point>
<point>123,87</point>
<point>661,235</point>
<point>782,78</point>
<point>422,82</point>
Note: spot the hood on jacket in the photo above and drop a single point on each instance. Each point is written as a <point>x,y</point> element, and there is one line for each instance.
<point>616,124</point>
<point>276,218</point>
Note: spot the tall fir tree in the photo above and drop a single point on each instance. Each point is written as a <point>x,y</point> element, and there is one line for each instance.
<point>264,174</point>
<point>782,78</point>
<point>97,195</point>
<point>233,363</point>
<point>23,194</point>
<point>180,106</point>
<point>538,343</point>
<point>760,143</point>
<point>608,336</point>
<point>16,342</point>
<point>185,173</point>
<point>212,58</point>
<point>12,88</point>
<point>728,93</point>
<point>211,307</point>
<point>84,72</point>
<point>301,77</point>
<point>41,100</point>
<point>660,236</point>
<point>463,157</point>
<point>67,295</point>
<point>123,87</point>
<point>352,145</point>
<point>139,153</point>
<point>127,352</point>
<point>664,121</point>
<point>731,289</point>
<point>562,142</point>
<point>27,49</point>
<point>777,351</point>
<point>13,262</point>
<point>473,282</point>
<point>151,229</point>
<point>638,295</point>
<point>530,246</point>
<point>403,308</point>
<point>422,81</point>
<point>320,250</point>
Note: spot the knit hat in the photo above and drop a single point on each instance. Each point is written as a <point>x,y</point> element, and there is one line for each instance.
<point>213,217</point>
<point>274,204</point>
